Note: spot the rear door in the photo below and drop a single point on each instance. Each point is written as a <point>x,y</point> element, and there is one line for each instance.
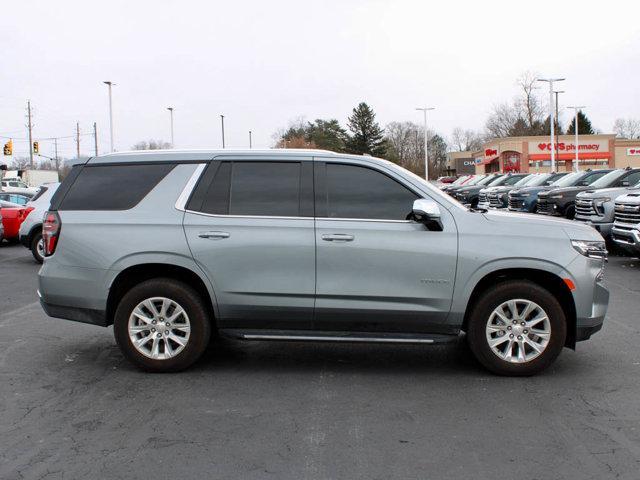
<point>376,270</point>
<point>250,227</point>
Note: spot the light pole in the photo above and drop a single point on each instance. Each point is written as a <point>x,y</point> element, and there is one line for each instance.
<point>557,121</point>
<point>171,116</point>
<point>222,122</point>
<point>110,84</point>
<point>424,110</point>
<point>576,108</point>
<point>551,117</point>
<point>250,143</point>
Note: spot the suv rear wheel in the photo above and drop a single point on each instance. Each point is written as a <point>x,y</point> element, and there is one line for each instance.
<point>162,325</point>
<point>517,328</point>
<point>37,247</point>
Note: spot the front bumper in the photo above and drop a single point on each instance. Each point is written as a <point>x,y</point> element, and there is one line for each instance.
<point>626,238</point>
<point>588,325</point>
<point>603,227</point>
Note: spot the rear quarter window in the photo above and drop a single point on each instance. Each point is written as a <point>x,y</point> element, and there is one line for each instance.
<point>112,187</point>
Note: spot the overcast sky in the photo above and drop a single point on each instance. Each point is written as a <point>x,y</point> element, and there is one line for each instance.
<point>263,63</point>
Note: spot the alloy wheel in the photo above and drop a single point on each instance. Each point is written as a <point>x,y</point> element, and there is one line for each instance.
<point>518,331</point>
<point>159,328</point>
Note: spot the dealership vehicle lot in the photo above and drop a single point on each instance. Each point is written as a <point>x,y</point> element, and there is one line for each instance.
<point>72,407</point>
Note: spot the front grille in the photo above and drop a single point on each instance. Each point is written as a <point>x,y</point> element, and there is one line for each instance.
<point>627,213</point>
<point>482,197</point>
<point>544,206</point>
<point>515,203</point>
<point>494,201</point>
<point>585,208</point>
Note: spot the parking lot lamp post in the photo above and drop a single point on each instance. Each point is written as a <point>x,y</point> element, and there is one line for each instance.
<point>250,142</point>
<point>551,118</point>
<point>222,122</point>
<point>110,84</point>
<point>576,108</point>
<point>171,117</point>
<point>424,110</point>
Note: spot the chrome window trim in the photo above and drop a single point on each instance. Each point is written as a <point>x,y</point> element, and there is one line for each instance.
<point>271,217</point>
<point>181,202</point>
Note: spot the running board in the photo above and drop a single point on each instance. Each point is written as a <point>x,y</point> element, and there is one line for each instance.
<point>341,337</point>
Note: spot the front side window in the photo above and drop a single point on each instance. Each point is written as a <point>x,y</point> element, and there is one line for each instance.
<point>362,193</point>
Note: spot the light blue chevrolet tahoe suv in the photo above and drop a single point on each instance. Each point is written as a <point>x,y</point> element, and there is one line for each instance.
<point>173,247</point>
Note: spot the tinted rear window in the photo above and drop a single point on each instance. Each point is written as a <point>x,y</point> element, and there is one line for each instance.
<point>113,187</point>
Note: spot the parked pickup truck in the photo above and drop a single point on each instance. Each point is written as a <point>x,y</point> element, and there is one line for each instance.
<point>561,201</point>
<point>525,199</point>
<point>596,207</point>
<point>497,196</point>
<point>626,227</point>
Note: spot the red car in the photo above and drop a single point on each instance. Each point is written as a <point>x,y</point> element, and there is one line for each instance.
<point>12,218</point>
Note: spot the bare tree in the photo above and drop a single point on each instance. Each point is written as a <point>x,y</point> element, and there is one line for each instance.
<point>464,140</point>
<point>502,120</point>
<point>20,163</point>
<point>627,127</point>
<point>151,145</point>
<point>529,102</point>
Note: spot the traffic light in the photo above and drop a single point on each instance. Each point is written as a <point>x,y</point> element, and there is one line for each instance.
<point>8,148</point>
<point>36,148</point>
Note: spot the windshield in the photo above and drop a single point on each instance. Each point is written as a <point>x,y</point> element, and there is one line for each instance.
<point>608,179</point>
<point>475,180</point>
<point>489,180</point>
<point>523,182</point>
<point>435,192</point>
<point>460,180</point>
<point>568,180</point>
<point>514,180</point>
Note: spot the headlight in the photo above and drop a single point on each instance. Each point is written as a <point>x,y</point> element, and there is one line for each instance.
<point>555,196</point>
<point>504,196</point>
<point>590,249</point>
<point>601,201</point>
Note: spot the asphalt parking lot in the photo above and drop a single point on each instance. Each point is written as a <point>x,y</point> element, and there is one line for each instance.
<point>72,407</point>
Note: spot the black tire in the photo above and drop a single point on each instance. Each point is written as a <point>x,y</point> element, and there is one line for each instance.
<point>189,300</point>
<point>571,212</point>
<point>37,237</point>
<point>490,300</point>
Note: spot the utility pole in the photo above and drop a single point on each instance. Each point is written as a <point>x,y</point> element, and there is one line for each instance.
<point>250,144</point>
<point>78,140</point>
<point>426,141</point>
<point>551,118</point>
<point>110,84</point>
<point>557,122</point>
<point>55,149</point>
<point>576,109</point>
<point>171,115</point>
<point>222,120</point>
<point>95,138</point>
<point>30,127</point>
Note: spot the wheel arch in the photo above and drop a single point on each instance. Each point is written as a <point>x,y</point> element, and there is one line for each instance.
<point>545,279</point>
<point>138,273</point>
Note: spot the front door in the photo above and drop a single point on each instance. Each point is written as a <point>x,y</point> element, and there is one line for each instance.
<point>250,228</point>
<point>376,270</point>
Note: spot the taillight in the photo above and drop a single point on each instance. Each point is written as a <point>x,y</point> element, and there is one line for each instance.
<point>50,232</point>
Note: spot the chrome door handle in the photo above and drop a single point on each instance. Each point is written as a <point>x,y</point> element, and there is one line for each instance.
<point>214,235</point>
<point>337,237</point>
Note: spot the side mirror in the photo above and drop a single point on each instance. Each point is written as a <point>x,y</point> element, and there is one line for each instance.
<point>427,212</point>
<point>624,183</point>
<point>583,183</point>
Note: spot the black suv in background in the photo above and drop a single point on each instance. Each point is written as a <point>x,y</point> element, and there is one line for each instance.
<point>470,195</point>
<point>561,202</point>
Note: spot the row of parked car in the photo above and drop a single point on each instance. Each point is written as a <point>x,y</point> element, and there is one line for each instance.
<point>21,216</point>
<point>607,199</point>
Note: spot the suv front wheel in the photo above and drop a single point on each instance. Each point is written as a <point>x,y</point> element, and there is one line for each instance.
<point>517,328</point>
<point>162,325</point>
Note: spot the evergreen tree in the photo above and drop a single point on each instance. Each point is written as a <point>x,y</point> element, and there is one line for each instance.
<point>584,125</point>
<point>327,134</point>
<point>366,134</point>
<point>544,130</point>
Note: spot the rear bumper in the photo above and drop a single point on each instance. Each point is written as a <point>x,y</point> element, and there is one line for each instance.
<point>24,240</point>
<point>82,315</point>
